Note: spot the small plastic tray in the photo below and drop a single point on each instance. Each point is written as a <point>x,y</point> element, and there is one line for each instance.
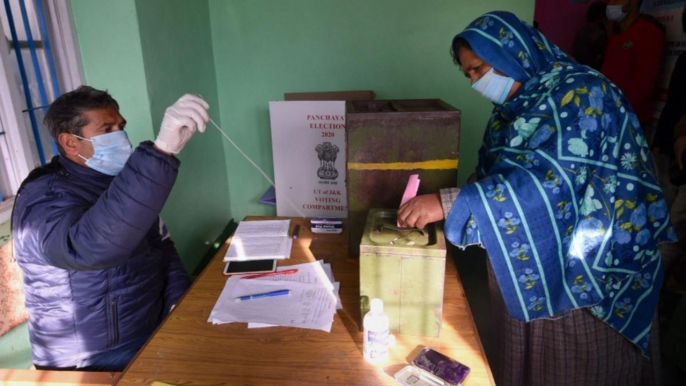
<point>412,376</point>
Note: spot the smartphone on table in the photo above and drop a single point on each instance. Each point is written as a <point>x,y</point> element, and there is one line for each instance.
<point>251,266</point>
<point>442,366</point>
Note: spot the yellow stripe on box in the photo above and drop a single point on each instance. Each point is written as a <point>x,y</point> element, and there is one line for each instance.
<point>439,164</point>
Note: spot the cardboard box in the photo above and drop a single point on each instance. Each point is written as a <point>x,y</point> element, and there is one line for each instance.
<point>357,95</point>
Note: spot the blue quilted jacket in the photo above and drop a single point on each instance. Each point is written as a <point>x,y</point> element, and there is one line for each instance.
<point>99,267</point>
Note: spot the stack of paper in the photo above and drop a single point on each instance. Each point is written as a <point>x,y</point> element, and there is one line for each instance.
<point>312,302</point>
<point>260,240</point>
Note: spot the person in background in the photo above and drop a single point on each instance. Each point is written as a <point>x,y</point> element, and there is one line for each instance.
<point>669,146</point>
<point>634,53</point>
<point>100,269</point>
<point>664,146</point>
<point>675,333</point>
<point>590,42</point>
<point>566,205</point>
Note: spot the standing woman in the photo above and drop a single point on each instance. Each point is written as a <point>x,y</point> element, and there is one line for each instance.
<point>567,206</point>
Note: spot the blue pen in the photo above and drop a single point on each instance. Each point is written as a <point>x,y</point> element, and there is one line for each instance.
<point>264,295</point>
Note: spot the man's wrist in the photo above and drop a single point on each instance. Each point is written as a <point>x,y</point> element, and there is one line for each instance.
<point>162,151</point>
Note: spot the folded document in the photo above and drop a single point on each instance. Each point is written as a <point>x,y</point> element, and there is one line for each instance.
<point>260,240</point>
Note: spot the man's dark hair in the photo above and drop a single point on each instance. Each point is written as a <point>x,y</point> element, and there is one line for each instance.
<point>458,44</point>
<point>65,114</point>
<point>596,12</point>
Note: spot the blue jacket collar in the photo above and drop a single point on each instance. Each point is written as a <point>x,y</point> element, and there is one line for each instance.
<point>83,172</point>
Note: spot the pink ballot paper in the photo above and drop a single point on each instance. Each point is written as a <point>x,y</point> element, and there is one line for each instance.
<point>410,190</point>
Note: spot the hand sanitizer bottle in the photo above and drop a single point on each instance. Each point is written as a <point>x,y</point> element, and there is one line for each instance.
<point>375,341</point>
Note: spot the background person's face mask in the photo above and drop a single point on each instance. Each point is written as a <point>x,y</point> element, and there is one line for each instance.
<point>110,152</point>
<point>615,12</point>
<point>494,87</point>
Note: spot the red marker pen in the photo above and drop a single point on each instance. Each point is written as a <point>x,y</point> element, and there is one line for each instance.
<point>277,273</point>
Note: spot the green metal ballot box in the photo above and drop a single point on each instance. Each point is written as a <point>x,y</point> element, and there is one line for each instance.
<point>405,267</point>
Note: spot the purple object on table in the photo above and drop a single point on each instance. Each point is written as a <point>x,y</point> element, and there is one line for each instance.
<point>441,366</point>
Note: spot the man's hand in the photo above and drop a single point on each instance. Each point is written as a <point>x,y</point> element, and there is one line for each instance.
<point>679,147</point>
<point>420,211</point>
<point>180,121</point>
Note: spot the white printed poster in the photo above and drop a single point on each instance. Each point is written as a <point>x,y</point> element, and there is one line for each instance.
<point>308,142</point>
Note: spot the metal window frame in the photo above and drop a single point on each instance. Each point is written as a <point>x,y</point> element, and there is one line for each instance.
<point>65,45</point>
<point>16,150</point>
<point>17,156</point>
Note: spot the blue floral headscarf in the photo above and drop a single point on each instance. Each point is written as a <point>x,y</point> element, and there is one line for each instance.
<point>567,204</point>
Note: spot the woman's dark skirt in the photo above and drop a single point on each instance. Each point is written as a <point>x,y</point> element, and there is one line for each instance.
<point>574,349</point>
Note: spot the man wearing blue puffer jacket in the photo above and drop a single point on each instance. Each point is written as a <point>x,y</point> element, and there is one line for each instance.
<point>100,271</point>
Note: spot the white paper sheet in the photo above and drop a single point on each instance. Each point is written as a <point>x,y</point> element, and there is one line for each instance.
<point>260,240</point>
<point>307,306</point>
<point>312,303</point>
<point>339,306</point>
<point>336,285</point>
<point>259,249</point>
<point>262,228</point>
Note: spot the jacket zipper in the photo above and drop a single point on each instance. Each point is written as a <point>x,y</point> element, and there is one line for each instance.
<point>115,323</point>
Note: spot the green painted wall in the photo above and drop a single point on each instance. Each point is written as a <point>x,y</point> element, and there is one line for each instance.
<point>148,53</point>
<point>110,46</point>
<point>178,58</point>
<point>15,348</point>
<point>398,48</point>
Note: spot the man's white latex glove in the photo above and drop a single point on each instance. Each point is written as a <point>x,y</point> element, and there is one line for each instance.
<point>181,119</point>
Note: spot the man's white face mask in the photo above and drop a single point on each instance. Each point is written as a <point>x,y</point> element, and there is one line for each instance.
<point>110,152</point>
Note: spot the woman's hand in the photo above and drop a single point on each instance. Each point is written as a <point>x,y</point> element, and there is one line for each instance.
<point>420,211</point>
<point>679,147</point>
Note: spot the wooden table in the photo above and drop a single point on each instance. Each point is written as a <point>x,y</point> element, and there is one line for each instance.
<point>25,377</point>
<point>186,349</point>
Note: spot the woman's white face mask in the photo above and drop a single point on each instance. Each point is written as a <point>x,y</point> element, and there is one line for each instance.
<point>494,87</point>
<point>616,12</point>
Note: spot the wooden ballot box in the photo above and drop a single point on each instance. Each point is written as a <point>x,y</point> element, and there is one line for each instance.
<point>405,267</point>
<point>389,140</point>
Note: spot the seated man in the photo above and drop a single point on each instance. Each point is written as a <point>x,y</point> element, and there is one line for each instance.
<point>100,271</point>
